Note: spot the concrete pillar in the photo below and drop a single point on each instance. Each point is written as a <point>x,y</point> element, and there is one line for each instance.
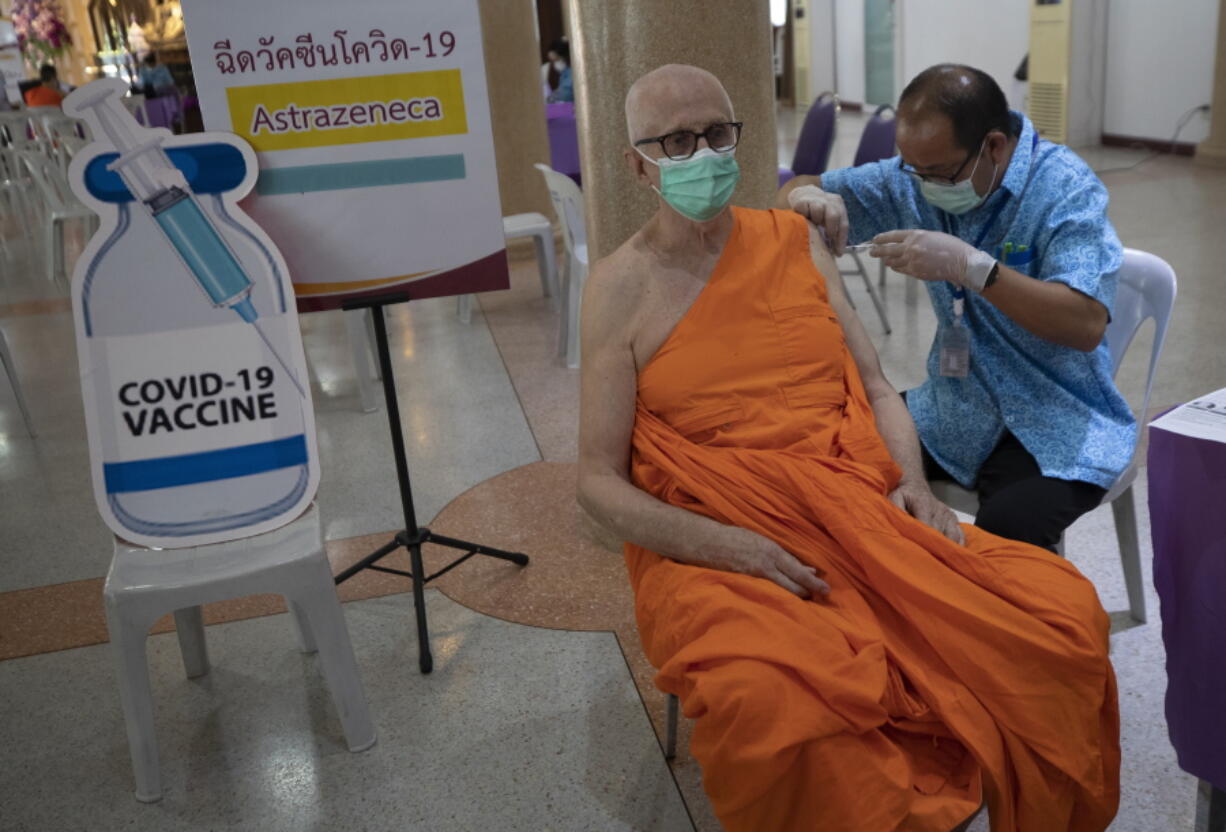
<point>517,108</point>
<point>1212,151</point>
<point>612,44</point>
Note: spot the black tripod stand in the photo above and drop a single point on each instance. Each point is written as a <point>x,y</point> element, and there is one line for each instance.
<point>412,537</point>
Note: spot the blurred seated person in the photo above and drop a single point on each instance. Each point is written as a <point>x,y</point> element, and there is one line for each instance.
<point>155,78</point>
<point>47,93</point>
<point>559,58</point>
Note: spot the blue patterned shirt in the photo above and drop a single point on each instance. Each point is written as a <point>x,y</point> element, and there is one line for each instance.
<point>1060,403</point>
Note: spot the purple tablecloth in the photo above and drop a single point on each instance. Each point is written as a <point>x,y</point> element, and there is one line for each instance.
<point>162,111</point>
<point>563,138</point>
<point>1187,509</point>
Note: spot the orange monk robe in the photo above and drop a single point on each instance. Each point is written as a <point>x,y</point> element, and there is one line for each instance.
<point>42,96</point>
<point>935,676</point>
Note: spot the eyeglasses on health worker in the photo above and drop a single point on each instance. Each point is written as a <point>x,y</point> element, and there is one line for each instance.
<point>1010,235</point>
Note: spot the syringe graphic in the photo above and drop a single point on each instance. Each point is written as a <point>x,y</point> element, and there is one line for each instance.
<point>157,184</point>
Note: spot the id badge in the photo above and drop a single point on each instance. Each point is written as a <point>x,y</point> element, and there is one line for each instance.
<point>956,352</point>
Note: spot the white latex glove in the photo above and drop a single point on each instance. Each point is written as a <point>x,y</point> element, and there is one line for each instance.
<point>826,211</point>
<point>933,255</point>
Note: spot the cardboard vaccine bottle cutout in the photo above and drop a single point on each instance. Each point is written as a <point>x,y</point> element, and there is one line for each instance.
<point>192,371</point>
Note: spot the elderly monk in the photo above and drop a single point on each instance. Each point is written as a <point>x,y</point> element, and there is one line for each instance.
<point>852,657</point>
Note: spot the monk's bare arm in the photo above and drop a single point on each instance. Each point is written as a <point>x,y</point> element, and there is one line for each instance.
<point>608,388</point>
<point>894,421</point>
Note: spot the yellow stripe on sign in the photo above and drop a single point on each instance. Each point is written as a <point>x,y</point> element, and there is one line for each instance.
<point>374,108</point>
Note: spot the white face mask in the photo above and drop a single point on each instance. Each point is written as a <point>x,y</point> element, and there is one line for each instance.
<point>959,197</point>
<point>559,65</point>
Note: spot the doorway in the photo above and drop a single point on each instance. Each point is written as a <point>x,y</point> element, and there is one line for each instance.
<point>879,52</point>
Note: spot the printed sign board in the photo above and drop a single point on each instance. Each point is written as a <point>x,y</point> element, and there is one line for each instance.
<point>193,376</point>
<point>371,123</point>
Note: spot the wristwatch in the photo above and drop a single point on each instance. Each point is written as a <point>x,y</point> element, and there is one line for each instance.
<point>980,272</point>
<point>992,275</point>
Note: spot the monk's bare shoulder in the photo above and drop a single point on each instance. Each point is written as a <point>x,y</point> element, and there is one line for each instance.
<point>612,297</point>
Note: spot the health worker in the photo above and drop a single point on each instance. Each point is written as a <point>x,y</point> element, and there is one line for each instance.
<point>1010,235</point>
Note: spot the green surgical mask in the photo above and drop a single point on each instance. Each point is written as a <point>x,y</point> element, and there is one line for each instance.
<point>699,187</point>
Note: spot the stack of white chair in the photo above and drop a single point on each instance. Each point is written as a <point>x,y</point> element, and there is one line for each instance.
<point>36,146</point>
<point>15,200</point>
<point>57,206</point>
<point>14,127</point>
<point>61,136</point>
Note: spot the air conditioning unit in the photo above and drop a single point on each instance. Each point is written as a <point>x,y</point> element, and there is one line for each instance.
<point>801,49</point>
<point>1067,71</point>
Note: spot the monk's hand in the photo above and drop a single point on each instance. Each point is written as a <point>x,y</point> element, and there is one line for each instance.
<point>740,550</point>
<point>933,255</point>
<point>917,499</point>
<point>826,211</point>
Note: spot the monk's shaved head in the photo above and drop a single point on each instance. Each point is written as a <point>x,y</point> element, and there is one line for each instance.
<point>675,97</point>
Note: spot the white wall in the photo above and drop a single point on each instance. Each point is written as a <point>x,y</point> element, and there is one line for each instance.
<point>1159,66</point>
<point>1159,54</point>
<point>849,32</point>
<point>992,35</point>
<point>821,46</point>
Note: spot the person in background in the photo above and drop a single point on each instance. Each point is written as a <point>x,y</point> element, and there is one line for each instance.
<point>155,78</point>
<point>559,56</point>
<point>47,93</point>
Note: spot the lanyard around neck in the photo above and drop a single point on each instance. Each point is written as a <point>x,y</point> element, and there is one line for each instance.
<point>959,292</point>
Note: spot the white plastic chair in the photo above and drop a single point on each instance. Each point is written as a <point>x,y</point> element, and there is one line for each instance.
<point>359,325</point>
<point>66,149</point>
<point>61,135</point>
<point>359,328</point>
<point>48,123</point>
<point>10,370</point>
<point>144,584</point>
<point>60,206</point>
<point>16,193</point>
<point>13,126</point>
<point>1146,290</point>
<point>538,227</point>
<point>568,203</point>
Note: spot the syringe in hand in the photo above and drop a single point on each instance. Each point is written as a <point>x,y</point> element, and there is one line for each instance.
<point>158,185</point>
